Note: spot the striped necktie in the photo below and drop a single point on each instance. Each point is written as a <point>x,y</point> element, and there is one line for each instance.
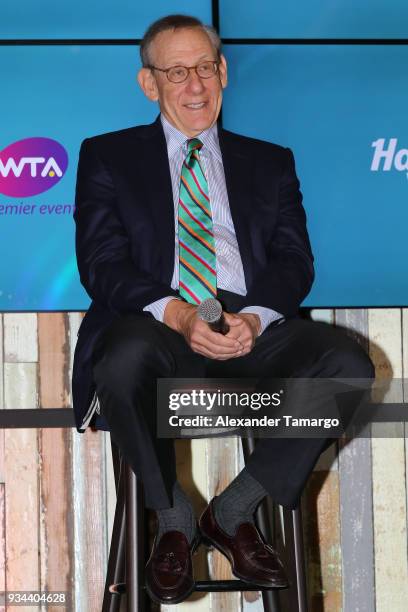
<point>197,267</point>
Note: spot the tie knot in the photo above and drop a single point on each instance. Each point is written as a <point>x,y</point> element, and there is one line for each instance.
<point>194,144</point>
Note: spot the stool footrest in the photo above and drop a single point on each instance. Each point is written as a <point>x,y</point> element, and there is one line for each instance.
<point>208,586</point>
<point>216,586</point>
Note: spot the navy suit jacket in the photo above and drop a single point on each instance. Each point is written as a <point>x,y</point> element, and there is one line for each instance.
<point>124,214</point>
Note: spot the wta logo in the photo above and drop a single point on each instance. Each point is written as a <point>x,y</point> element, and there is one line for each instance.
<point>31,166</point>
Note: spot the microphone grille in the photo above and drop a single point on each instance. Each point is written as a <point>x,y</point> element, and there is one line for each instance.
<point>209,310</point>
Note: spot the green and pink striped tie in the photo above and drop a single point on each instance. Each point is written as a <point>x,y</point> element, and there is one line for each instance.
<point>197,267</point>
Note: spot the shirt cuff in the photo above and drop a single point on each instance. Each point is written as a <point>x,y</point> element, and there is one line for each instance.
<point>266,315</point>
<point>158,307</point>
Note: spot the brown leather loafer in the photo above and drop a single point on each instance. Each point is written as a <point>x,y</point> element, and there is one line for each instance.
<point>252,560</point>
<point>169,571</point>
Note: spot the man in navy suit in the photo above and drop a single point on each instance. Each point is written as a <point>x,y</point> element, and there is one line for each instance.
<point>139,268</point>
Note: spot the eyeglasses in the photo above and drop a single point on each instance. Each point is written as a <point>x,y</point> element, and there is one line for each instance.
<point>179,74</point>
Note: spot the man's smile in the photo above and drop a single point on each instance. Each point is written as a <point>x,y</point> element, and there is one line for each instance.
<point>195,105</point>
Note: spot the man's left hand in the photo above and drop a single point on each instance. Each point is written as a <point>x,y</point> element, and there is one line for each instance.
<point>244,327</point>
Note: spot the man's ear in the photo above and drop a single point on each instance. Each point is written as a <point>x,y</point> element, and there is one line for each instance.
<point>222,68</point>
<point>147,83</point>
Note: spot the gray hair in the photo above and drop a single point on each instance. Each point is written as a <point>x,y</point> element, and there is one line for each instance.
<point>175,22</point>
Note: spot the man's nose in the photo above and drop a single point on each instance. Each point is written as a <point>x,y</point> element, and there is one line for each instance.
<point>194,82</point>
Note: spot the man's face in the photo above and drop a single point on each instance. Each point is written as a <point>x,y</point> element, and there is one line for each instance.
<point>194,105</point>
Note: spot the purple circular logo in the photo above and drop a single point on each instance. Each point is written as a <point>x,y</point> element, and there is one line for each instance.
<point>31,166</point>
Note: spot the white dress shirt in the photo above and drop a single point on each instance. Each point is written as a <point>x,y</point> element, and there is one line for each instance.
<point>230,273</point>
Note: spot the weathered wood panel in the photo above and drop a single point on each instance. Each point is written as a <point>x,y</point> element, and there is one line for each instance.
<point>1,363</point>
<point>388,456</point>
<point>322,314</point>
<point>90,486</point>
<point>53,346</point>
<point>329,459</point>
<point>22,504</point>
<point>356,497</point>
<point>21,459</point>
<point>78,491</point>
<point>55,465</point>
<point>89,510</point>
<point>192,475</point>
<point>20,385</point>
<point>2,478</point>
<point>20,338</point>
<point>95,516</point>
<point>320,505</point>
<point>405,352</point>
<point>2,543</point>
<point>222,467</point>
<point>322,526</point>
<point>405,390</point>
<point>1,399</point>
<point>251,601</point>
<point>110,490</point>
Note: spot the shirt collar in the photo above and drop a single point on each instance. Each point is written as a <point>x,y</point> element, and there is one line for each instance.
<point>176,140</point>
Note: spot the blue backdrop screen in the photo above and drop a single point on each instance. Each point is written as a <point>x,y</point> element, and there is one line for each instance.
<point>314,19</point>
<point>340,108</point>
<point>89,18</point>
<point>79,91</point>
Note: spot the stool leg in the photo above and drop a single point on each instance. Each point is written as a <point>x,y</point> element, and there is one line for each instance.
<point>117,462</point>
<point>300,559</point>
<point>134,543</point>
<point>297,594</point>
<point>116,560</point>
<point>264,519</point>
<point>264,515</point>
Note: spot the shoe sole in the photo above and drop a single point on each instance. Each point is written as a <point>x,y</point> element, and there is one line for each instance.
<point>276,585</point>
<point>166,602</point>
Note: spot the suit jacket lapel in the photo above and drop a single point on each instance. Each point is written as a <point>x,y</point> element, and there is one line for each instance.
<point>160,194</point>
<point>238,171</point>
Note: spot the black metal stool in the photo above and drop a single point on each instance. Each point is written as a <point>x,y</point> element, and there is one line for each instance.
<point>127,558</point>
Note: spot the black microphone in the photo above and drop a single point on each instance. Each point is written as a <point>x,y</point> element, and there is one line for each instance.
<point>210,311</point>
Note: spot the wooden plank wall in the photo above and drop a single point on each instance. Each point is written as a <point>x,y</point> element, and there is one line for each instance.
<point>57,492</point>
<point>53,482</point>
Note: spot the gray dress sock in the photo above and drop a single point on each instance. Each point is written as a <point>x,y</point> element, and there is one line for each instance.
<point>180,517</point>
<point>238,502</point>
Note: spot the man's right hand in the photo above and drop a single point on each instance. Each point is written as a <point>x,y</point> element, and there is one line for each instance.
<point>182,317</point>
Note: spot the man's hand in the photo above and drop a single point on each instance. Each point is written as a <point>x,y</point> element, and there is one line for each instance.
<point>182,317</point>
<point>244,327</point>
